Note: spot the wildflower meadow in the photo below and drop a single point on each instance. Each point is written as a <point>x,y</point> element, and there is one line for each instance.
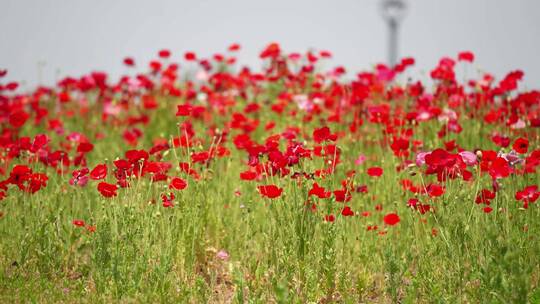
<point>197,180</point>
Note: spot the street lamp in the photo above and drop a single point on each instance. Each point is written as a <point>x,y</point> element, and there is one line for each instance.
<point>393,12</point>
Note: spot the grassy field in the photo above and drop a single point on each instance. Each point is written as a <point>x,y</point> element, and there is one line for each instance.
<point>206,190</point>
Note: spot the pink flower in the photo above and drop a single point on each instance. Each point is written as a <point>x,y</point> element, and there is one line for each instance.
<point>202,75</point>
<point>81,181</point>
<point>520,124</point>
<point>385,74</point>
<point>447,115</point>
<point>512,157</point>
<point>468,157</point>
<point>360,160</point>
<point>421,158</point>
<point>222,255</point>
<point>111,109</point>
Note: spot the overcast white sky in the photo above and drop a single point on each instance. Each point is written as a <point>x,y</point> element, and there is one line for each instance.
<point>73,37</point>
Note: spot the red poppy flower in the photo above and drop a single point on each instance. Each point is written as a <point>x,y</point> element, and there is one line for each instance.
<point>347,211</point>
<point>329,218</point>
<point>18,118</point>
<point>78,223</point>
<point>466,56</point>
<point>168,201</point>
<point>325,54</point>
<point>27,181</point>
<point>164,54</point>
<point>444,164</point>
<point>248,175</point>
<point>372,228</point>
<point>40,141</point>
<point>362,189</point>
<point>201,157</point>
<point>323,134</point>
<point>342,196</point>
<point>434,190</point>
<point>178,183</point>
<point>521,145</point>
<point>319,191</point>
<point>190,56</point>
<point>501,141</point>
<point>375,171</point>
<point>400,147</point>
<point>34,183</point>
<point>499,168</point>
<point>19,174</point>
<point>271,51</point>
<point>391,219</point>
<point>412,202</point>
<point>234,47</point>
<point>99,172</point>
<point>128,61</point>
<point>12,86</point>
<point>85,147</point>
<point>107,190</point>
<point>149,102</point>
<point>484,197</point>
<point>80,177</point>
<point>155,66</point>
<point>528,195</point>
<point>184,110</point>
<point>270,191</point>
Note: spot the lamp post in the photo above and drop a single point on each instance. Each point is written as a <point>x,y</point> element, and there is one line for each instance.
<point>393,12</point>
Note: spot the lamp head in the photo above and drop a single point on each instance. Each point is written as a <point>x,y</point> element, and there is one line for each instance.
<point>393,10</point>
